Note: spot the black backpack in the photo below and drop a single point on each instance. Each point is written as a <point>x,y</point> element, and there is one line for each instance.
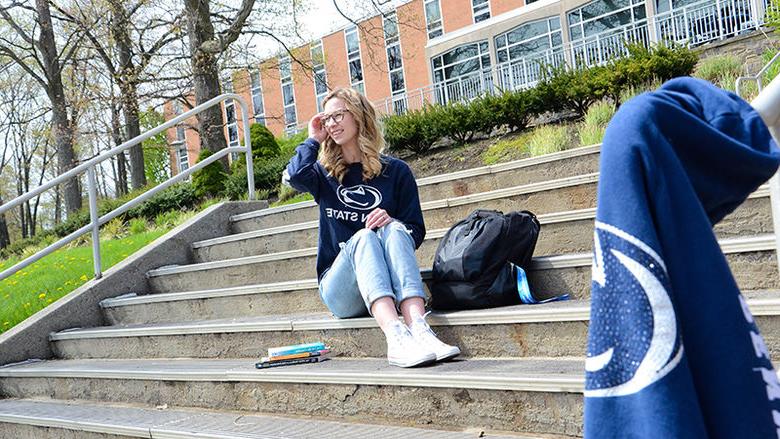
<point>473,263</point>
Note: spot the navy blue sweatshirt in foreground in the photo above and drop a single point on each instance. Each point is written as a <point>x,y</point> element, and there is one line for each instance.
<point>344,206</point>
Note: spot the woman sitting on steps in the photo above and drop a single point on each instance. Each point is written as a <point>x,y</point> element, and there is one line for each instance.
<point>370,225</point>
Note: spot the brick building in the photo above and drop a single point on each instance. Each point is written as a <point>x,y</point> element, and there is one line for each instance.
<point>439,51</point>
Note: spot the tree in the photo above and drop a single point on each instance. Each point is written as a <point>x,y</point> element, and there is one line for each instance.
<point>33,47</point>
<point>157,161</point>
<point>206,45</point>
<point>129,57</point>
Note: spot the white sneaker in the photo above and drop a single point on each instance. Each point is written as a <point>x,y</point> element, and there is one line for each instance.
<point>403,350</point>
<point>426,337</point>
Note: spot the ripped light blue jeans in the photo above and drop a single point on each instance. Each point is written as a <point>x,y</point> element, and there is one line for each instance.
<point>369,266</point>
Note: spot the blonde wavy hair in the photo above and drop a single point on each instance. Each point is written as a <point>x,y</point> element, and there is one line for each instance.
<point>369,136</point>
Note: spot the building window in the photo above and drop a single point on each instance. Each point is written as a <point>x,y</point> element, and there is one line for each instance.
<point>524,52</point>
<point>177,108</point>
<point>230,115</point>
<point>480,9</point>
<point>354,64</point>
<point>257,96</point>
<point>288,94</point>
<point>600,29</point>
<point>603,15</point>
<point>181,148</point>
<point>395,64</point>
<point>433,19</point>
<point>320,78</point>
<point>462,73</point>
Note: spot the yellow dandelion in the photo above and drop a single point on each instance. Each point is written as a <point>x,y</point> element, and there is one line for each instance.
<point>42,296</point>
<point>6,323</point>
<point>83,277</point>
<point>49,301</point>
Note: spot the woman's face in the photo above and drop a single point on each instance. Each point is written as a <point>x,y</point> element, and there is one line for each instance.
<point>339,122</point>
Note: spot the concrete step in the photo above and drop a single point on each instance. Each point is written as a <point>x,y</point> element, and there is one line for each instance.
<point>557,329</point>
<point>569,193</point>
<point>24,418</point>
<point>537,395</point>
<point>749,256</point>
<point>555,166</point>
<point>575,161</point>
<point>561,232</point>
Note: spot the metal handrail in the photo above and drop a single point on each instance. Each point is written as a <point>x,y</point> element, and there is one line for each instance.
<point>757,77</point>
<point>767,105</point>
<point>90,165</point>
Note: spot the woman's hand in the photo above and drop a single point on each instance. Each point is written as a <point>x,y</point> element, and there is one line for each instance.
<point>378,218</point>
<point>316,129</point>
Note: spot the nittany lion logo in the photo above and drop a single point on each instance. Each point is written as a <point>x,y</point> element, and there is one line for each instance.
<point>634,339</point>
<point>359,197</point>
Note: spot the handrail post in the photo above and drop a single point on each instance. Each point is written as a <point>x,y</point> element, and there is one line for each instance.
<point>95,219</point>
<point>250,166</point>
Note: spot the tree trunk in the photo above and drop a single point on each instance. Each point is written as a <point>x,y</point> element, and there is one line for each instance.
<point>61,126</point>
<point>127,85</point>
<point>5,239</point>
<point>57,206</point>
<point>121,168</point>
<point>204,49</point>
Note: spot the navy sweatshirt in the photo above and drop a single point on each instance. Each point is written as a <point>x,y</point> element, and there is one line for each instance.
<point>344,206</point>
<point>673,351</point>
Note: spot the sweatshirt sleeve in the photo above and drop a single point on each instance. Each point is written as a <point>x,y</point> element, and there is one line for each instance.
<point>301,172</point>
<point>409,210</point>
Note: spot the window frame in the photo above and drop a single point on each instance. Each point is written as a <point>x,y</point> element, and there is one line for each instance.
<point>354,57</point>
<point>285,79</point>
<point>484,8</point>
<point>231,126</point>
<point>256,90</point>
<point>438,28</point>
<point>319,72</point>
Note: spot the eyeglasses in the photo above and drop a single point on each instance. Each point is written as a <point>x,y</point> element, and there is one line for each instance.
<point>337,116</point>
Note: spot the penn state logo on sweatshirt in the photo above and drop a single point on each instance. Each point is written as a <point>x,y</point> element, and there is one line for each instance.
<point>359,197</point>
<point>639,342</point>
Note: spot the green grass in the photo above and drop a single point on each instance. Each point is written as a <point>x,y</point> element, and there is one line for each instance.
<point>40,284</point>
<point>296,199</point>
<point>546,139</point>
<point>507,150</point>
<point>591,129</point>
<point>36,286</point>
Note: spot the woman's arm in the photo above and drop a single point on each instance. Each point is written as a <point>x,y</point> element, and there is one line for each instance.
<point>409,210</point>
<point>301,172</point>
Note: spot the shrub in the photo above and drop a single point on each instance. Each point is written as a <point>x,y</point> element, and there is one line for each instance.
<point>263,142</point>
<point>415,131</point>
<point>287,145</point>
<point>180,196</point>
<point>166,219</point>
<point>460,121</point>
<point>721,70</point>
<point>591,129</point>
<point>268,175</point>
<point>113,229</point>
<point>138,225</point>
<point>546,139</point>
<point>576,89</point>
<point>211,179</point>
<point>514,109</point>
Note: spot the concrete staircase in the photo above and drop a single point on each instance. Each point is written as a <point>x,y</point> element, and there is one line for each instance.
<point>178,359</point>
